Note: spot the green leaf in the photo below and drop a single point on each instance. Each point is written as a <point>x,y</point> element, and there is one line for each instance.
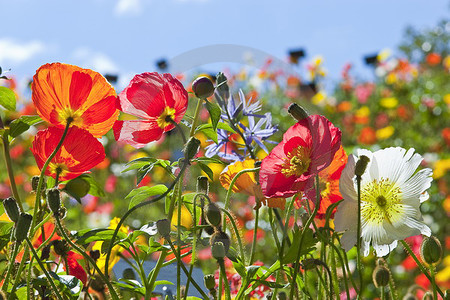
<point>308,244</point>
<point>5,233</point>
<point>214,112</point>
<point>96,189</point>
<point>208,130</point>
<point>101,234</point>
<point>138,163</point>
<point>209,160</point>
<point>22,124</point>
<point>138,195</point>
<point>207,170</point>
<point>7,98</point>
<point>331,208</point>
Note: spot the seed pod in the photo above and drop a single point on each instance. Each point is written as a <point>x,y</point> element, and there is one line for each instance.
<point>218,250</point>
<point>203,87</point>
<point>209,281</point>
<point>11,209</point>
<point>380,276</point>
<point>54,200</point>
<point>431,250</point>
<point>61,247</point>
<point>202,185</point>
<point>95,254</point>
<point>361,165</point>
<point>22,227</point>
<point>213,214</point>
<point>297,112</point>
<point>220,236</point>
<point>163,227</point>
<point>191,148</point>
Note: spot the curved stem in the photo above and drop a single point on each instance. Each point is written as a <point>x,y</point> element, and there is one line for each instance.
<point>236,231</point>
<point>223,277</point>
<point>421,267</point>
<point>10,267</point>
<point>10,170</point>
<point>87,258</point>
<point>255,233</point>
<point>49,278</point>
<point>196,114</point>
<point>358,238</point>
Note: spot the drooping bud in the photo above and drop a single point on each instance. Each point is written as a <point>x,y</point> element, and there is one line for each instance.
<point>297,112</point>
<point>222,86</point>
<point>191,148</point>
<point>77,187</point>
<point>203,87</point>
<point>431,250</point>
<point>220,236</point>
<point>95,254</point>
<point>22,227</point>
<point>61,247</point>
<point>218,250</point>
<point>361,165</point>
<point>163,227</point>
<point>380,276</point>
<point>202,185</point>
<point>209,281</point>
<point>11,209</point>
<point>54,200</point>
<point>213,214</point>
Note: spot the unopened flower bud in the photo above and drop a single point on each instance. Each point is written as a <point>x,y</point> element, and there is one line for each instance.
<point>431,250</point>
<point>54,200</point>
<point>203,87</point>
<point>380,276</point>
<point>209,281</point>
<point>95,254</point>
<point>208,229</point>
<point>213,214</point>
<point>22,227</point>
<point>361,165</point>
<point>45,254</point>
<point>218,250</point>
<point>61,247</point>
<point>191,148</point>
<point>297,112</point>
<point>202,185</point>
<point>220,236</point>
<point>222,86</point>
<point>309,264</point>
<point>11,209</point>
<point>129,274</point>
<point>35,182</point>
<point>78,187</point>
<point>163,227</point>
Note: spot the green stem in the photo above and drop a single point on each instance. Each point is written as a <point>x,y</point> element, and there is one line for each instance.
<point>306,226</point>
<point>358,238</point>
<point>37,202</point>
<point>49,278</point>
<point>10,267</point>
<point>10,170</point>
<point>26,253</point>
<point>154,273</point>
<point>431,267</point>
<point>421,267</point>
<point>334,273</point>
<point>236,231</point>
<point>87,258</point>
<point>383,296</point>
<point>196,114</point>
<point>255,232</point>
<point>179,239</point>
<point>223,277</point>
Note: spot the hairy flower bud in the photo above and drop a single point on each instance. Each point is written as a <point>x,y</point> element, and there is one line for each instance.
<point>129,274</point>
<point>209,281</point>
<point>309,263</point>
<point>202,185</point>
<point>95,254</point>
<point>54,200</point>
<point>191,148</point>
<point>203,87</point>
<point>218,250</point>
<point>222,86</point>
<point>361,165</point>
<point>163,227</point>
<point>22,227</point>
<point>220,236</point>
<point>297,112</point>
<point>431,250</point>
<point>35,182</point>
<point>380,276</point>
<point>61,247</point>
<point>11,209</point>
<point>213,214</point>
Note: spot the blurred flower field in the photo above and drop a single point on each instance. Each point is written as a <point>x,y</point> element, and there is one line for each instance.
<point>252,176</point>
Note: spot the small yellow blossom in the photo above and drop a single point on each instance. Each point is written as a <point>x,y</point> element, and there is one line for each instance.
<point>441,167</point>
<point>319,97</point>
<point>447,99</point>
<point>389,102</point>
<point>186,218</point>
<point>384,55</point>
<point>385,132</point>
<point>362,112</point>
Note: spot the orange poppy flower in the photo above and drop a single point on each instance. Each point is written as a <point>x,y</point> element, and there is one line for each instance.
<point>61,92</point>
<point>79,152</point>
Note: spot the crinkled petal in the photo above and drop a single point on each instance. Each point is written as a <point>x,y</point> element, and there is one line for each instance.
<point>137,133</point>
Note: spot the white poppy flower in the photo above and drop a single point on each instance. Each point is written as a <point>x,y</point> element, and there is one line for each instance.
<point>391,193</point>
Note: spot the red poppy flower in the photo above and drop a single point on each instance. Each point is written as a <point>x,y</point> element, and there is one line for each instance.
<point>307,148</point>
<point>62,91</point>
<point>328,184</point>
<point>75,269</point>
<point>156,99</point>
<point>79,152</point>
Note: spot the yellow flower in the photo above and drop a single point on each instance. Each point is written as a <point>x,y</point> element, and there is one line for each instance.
<point>446,204</point>
<point>216,169</point>
<point>441,167</point>
<point>391,78</point>
<point>389,102</point>
<point>447,99</point>
<point>385,132</point>
<point>383,55</point>
<point>114,258</point>
<point>364,111</point>
<point>319,97</point>
<point>137,155</point>
<point>444,274</point>
<point>186,218</point>
<point>4,218</point>
<point>245,183</point>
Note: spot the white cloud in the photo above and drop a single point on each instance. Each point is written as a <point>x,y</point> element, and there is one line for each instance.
<point>14,52</point>
<point>128,7</point>
<point>97,61</point>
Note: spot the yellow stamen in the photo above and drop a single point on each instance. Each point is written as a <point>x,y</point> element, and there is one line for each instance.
<point>165,117</point>
<point>68,113</point>
<point>297,162</point>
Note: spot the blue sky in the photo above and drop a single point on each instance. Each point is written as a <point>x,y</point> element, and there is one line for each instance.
<point>128,36</point>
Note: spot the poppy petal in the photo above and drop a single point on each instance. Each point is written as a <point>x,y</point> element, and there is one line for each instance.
<point>137,133</point>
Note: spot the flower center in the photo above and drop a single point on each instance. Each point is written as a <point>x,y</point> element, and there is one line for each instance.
<point>166,117</point>
<point>297,162</point>
<point>69,113</point>
<point>381,200</point>
<point>325,188</point>
<point>58,168</point>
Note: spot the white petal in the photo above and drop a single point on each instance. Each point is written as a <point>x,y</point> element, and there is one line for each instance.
<point>348,240</point>
<point>346,216</point>
<point>346,183</point>
<point>383,250</point>
<point>413,188</point>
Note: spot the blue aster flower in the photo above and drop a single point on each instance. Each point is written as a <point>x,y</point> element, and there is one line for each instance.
<point>259,131</point>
